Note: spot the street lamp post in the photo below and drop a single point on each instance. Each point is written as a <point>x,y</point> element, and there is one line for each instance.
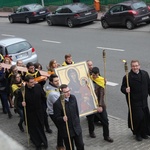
<point>42,1</point>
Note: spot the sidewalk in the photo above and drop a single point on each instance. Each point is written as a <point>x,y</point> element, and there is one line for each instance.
<point>123,138</point>
<point>5,15</point>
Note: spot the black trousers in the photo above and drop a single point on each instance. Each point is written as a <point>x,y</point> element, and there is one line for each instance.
<point>77,140</point>
<point>59,138</point>
<point>46,124</point>
<point>104,120</point>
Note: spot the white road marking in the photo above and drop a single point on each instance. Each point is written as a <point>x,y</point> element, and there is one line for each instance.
<point>111,49</point>
<point>8,35</point>
<point>111,83</point>
<point>51,41</point>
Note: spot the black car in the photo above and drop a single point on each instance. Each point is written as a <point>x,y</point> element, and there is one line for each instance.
<point>72,14</point>
<point>29,13</point>
<point>128,13</point>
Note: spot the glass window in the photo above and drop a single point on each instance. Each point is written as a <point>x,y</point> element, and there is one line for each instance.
<point>139,5</point>
<point>18,47</point>
<point>35,7</point>
<point>116,9</point>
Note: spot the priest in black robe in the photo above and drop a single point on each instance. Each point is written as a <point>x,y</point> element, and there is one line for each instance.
<point>34,99</point>
<point>139,89</point>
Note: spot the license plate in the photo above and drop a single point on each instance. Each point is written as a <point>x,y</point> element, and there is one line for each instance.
<point>21,55</point>
<point>144,18</point>
<point>87,13</point>
<point>42,12</point>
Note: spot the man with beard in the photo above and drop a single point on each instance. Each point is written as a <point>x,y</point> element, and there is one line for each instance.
<point>34,97</point>
<point>139,88</point>
<point>52,95</point>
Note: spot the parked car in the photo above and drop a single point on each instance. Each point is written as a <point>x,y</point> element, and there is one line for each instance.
<point>72,14</point>
<point>28,13</point>
<point>18,49</point>
<point>127,13</point>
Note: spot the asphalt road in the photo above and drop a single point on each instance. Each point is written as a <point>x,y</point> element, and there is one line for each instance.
<point>87,42</point>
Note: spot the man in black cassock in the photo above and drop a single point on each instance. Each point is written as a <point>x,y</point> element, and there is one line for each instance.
<point>34,99</point>
<point>139,89</point>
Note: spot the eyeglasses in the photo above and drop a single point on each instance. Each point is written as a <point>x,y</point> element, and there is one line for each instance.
<point>67,91</point>
<point>17,76</point>
<point>31,67</point>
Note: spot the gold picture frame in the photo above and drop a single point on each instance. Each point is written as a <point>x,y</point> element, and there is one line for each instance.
<point>76,76</point>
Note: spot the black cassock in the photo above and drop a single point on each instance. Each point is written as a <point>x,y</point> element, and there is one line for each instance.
<point>35,97</point>
<point>140,89</point>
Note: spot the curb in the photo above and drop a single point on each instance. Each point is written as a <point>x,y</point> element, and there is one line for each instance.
<point>7,17</point>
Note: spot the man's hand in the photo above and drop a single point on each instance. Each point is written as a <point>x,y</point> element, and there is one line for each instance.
<point>65,118</point>
<point>128,89</point>
<point>23,104</point>
<point>99,109</point>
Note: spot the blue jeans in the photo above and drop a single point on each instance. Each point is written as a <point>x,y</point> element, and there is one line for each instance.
<point>4,100</point>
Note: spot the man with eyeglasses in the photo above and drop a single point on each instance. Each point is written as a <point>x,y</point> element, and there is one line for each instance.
<point>138,90</point>
<point>68,116</point>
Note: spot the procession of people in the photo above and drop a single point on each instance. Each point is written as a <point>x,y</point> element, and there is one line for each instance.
<point>34,102</point>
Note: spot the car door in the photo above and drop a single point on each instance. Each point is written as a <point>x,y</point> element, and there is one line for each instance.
<point>56,17</point>
<point>123,13</point>
<point>61,15</point>
<point>114,15</point>
<point>17,15</point>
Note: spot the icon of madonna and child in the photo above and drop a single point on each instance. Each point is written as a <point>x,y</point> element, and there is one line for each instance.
<point>80,87</point>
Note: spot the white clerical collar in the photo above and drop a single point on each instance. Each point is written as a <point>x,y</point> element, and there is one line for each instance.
<point>67,99</point>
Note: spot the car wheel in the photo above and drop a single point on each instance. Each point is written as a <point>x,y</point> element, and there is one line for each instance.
<point>49,22</point>
<point>28,21</point>
<point>147,22</point>
<point>129,24</point>
<point>70,23</point>
<point>11,19</point>
<point>104,23</point>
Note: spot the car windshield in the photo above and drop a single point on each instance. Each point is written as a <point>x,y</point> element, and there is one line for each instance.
<point>18,47</point>
<point>76,8</point>
<point>139,5</point>
<point>35,7</point>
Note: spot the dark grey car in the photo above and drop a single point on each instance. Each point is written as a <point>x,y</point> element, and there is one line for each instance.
<point>128,13</point>
<point>28,13</point>
<point>72,14</point>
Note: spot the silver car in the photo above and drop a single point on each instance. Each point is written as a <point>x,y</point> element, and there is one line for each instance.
<point>18,49</point>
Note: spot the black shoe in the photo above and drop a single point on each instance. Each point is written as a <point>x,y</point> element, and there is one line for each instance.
<point>92,135</point>
<point>98,123</point>
<point>44,146</point>
<point>38,148</point>
<point>5,112</point>
<point>15,110</point>
<point>108,139</point>
<point>9,115</point>
<point>49,131</point>
<point>144,136</point>
<point>138,138</point>
<point>21,127</point>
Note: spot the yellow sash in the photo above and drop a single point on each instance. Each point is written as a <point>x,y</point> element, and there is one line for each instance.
<point>65,64</point>
<point>100,81</point>
<point>15,87</point>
